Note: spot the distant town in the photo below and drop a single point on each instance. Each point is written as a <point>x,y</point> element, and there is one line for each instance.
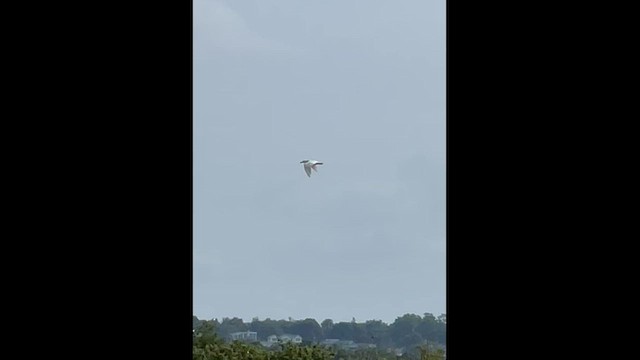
<point>405,334</point>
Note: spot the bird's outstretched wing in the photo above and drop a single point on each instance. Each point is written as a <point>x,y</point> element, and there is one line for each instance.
<point>307,170</point>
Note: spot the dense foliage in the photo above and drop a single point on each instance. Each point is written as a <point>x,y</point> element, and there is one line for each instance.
<point>414,336</point>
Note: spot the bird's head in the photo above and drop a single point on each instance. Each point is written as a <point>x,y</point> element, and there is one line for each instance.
<point>304,161</point>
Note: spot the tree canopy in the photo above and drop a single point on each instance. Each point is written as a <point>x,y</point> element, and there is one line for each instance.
<point>409,332</point>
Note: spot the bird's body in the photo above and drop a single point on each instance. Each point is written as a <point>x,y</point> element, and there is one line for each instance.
<point>310,165</point>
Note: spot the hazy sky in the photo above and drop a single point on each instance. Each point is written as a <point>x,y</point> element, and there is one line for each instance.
<point>358,85</point>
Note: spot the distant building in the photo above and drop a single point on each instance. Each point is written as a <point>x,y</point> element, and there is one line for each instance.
<point>329,342</point>
<point>345,344</point>
<point>274,339</point>
<point>297,339</point>
<point>248,336</point>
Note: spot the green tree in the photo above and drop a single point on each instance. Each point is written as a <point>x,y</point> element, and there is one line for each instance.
<point>242,351</point>
<point>229,326</point>
<point>342,330</point>
<point>308,328</point>
<point>266,328</point>
<point>427,327</point>
<point>327,325</point>
<point>360,333</point>
<point>205,334</point>
<point>196,322</point>
<point>403,330</point>
<point>378,331</point>
<point>430,354</point>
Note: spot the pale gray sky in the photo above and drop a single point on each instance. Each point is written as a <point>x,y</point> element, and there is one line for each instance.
<point>359,85</point>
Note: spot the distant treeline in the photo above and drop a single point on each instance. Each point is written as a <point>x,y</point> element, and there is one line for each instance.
<point>406,331</point>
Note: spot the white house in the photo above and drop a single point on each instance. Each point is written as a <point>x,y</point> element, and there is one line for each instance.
<point>291,338</point>
<point>272,339</point>
<point>329,342</point>
<point>244,336</point>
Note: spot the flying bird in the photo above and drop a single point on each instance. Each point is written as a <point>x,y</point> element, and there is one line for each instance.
<point>310,164</point>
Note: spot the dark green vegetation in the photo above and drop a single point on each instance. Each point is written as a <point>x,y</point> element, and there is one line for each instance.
<point>408,337</point>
